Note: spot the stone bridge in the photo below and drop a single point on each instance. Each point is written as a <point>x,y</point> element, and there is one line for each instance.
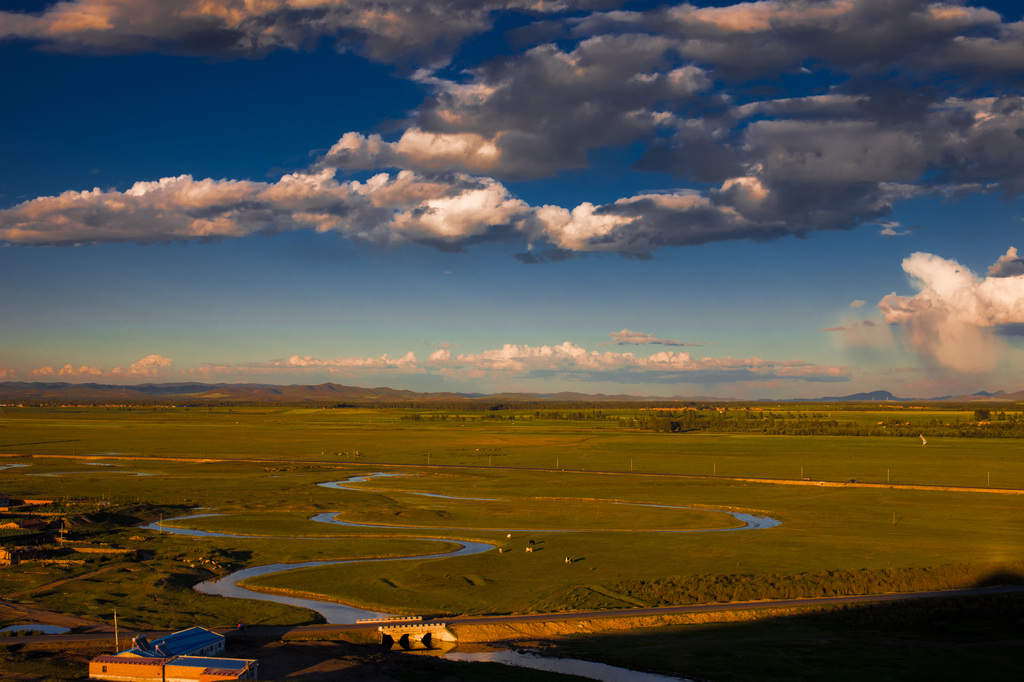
<point>415,635</point>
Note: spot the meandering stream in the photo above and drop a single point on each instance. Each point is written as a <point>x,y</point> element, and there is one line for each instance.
<point>339,613</point>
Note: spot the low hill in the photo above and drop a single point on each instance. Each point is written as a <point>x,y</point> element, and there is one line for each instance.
<point>13,392</point>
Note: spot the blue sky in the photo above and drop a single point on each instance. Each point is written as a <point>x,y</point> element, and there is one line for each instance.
<point>743,200</point>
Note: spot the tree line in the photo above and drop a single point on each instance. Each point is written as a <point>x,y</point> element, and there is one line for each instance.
<point>980,424</point>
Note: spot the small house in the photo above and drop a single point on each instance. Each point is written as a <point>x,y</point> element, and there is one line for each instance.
<point>184,656</point>
<point>177,668</point>
<point>195,641</point>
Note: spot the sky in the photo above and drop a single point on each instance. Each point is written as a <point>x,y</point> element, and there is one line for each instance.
<point>760,200</point>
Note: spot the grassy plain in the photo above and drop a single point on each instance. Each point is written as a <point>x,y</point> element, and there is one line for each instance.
<point>622,503</point>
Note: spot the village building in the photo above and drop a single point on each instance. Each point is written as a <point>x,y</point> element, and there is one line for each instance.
<point>195,641</point>
<point>172,669</point>
<point>11,556</point>
<point>184,656</point>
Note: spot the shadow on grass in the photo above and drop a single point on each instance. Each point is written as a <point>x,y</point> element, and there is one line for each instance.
<point>955,638</point>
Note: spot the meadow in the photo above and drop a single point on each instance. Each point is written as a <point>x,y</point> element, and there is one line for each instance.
<point>623,503</point>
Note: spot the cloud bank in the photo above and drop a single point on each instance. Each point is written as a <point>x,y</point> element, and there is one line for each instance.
<point>855,134</point>
<point>506,365</point>
<point>149,367</point>
<point>382,30</point>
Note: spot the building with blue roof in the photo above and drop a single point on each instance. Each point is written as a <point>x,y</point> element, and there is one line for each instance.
<point>174,669</point>
<point>185,656</point>
<point>195,641</point>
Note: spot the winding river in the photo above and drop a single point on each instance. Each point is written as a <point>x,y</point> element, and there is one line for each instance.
<point>339,613</point>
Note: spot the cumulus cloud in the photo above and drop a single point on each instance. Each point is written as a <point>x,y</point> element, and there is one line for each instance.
<point>415,149</point>
<point>446,211</point>
<point>151,366</point>
<point>537,113</point>
<point>386,210</point>
<point>953,319</point>
<point>382,30</point>
<point>1008,265</point>
<point>509,364</point>
<point>675,82</point>
<point>570,361</point>
<point>406,362</point>
<point>627,337</point>
<point>850,34</point>
<point>890,228</point>
<point>816,163</point>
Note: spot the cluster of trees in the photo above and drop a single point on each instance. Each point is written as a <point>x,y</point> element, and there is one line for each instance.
<point>567,415</point>
<point>435,417</point>
<point>1002,425</point>
<point>573,415</point>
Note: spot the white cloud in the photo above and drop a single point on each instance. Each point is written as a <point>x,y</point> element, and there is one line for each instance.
<point>69,372</point>
<point>151,366</point>
<point>510,364</point>
<point>627,337</point>
<point>406,362</point>
<point>952,320</point>
<point>416,150</point>
<point>1008,265</point>
<point>570,361</point>
<point>386,209</point>
<point>665,80</point>
<point>382,30</point>
<point>889,229</point>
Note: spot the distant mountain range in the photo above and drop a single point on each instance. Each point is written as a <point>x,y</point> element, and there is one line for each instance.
<point>880,396</point>
<point>17,392</point>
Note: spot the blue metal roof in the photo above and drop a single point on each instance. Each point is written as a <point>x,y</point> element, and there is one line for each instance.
<point>188,640</point>
<point>178,643</point>
<point>208,662</point>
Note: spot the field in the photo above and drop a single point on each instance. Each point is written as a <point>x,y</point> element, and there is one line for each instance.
<point>622,502</point>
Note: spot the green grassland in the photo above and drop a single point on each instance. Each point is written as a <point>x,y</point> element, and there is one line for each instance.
<point>621,502</point>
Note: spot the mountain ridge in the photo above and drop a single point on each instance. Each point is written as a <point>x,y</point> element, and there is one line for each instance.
<point>339,393</point>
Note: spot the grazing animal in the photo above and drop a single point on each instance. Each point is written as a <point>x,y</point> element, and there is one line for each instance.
<point>529,549</point>
<point>532,542</point>
<point>924,441</point>
<point>501,550</point>
<point>509,536</point>
<point>568,560</point>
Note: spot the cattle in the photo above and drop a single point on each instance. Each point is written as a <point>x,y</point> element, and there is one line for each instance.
<point>529,549</point>
<point>509,536</point>
<point>532,542</point>
<point>568,560</point>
